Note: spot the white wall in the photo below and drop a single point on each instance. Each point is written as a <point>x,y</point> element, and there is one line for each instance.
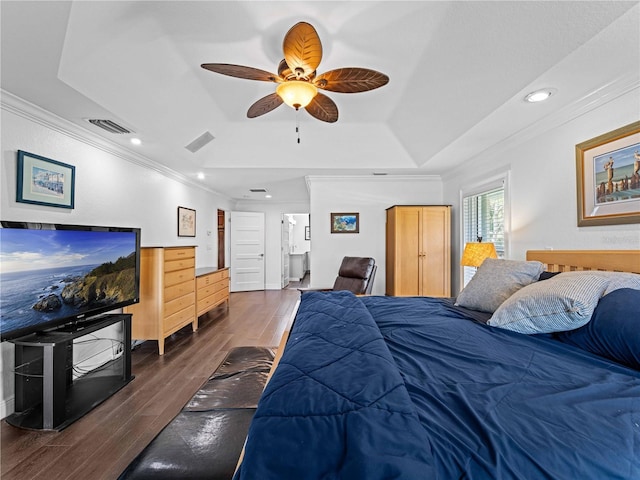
<point>112,189</point>
<point>543,186</point>
<point>370,197</point>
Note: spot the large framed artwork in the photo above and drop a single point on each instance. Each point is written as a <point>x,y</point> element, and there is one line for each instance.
<point>186,222</point>
<point>43,181</point>
<point>345,223</point>
<point>608,178</point>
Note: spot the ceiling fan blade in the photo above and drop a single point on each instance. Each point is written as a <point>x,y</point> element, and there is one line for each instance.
<point>241,71</point>
<point>264,105</point>
<point>283,69</point>
<point>323,108</point>
<point>351,80</point>
<point>302,49</point>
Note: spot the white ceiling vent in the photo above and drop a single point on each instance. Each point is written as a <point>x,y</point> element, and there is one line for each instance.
<point>109,125</point>
<point>199,142</point>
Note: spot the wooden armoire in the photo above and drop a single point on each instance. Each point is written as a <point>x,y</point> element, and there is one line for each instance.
<point>418,253</point>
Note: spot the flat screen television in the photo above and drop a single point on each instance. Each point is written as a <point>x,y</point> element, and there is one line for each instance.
<point>52,275</point>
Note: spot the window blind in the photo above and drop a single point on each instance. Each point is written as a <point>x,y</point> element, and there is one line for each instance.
<point>483,216</point>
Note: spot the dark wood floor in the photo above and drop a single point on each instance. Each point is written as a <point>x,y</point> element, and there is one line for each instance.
<point>302,283</point>
<point>102,443</point>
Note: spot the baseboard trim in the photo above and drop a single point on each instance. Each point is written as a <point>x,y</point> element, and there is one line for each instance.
<point>7,406</point>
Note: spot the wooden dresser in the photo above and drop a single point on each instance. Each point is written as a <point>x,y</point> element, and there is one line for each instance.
<point>167,294</point>
<point>418,251</point>
<point>173,293</point>
<point>212,288</point>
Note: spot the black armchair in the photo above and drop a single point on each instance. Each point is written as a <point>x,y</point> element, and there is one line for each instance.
<point>356,274</point>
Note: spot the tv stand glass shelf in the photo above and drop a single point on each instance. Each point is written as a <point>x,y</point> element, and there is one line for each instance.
<point>52,389</point>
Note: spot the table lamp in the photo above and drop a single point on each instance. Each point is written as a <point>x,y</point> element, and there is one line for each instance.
<point>476,252</point>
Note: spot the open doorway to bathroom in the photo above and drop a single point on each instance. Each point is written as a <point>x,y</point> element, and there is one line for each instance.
<point>296,248</point>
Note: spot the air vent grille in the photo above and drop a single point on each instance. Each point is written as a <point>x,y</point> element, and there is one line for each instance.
<point>109,125</point>
<point>258,190</point>
<point>199,142</point>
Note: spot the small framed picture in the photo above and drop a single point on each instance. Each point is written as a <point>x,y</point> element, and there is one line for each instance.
<point>345,222</point>
<point>608,178</point>
<point>43,181</point>
<point>307,233</point>
<point>186,222</point>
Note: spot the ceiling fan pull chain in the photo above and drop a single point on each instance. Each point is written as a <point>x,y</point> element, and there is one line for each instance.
<point>297,125</point>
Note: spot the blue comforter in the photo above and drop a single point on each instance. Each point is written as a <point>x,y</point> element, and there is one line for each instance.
<point>383,387</point>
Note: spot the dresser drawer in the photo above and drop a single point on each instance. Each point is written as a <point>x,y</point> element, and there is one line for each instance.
<point>222,285</point>
<point>179,276</point>
<point>180,264</point>
<point>178,320</point>
<point>211,278</point>
<point>179,253</point>
<point>178,290</point>
<point>212,288</point>
<point>208,302</point>
<point>206,291</point>
<point>179,303</point>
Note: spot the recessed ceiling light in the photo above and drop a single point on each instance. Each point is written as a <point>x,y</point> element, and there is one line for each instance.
<point>540,95</point>
<point>200,176</point>
<point>136,141</point>
<point>267,196</point>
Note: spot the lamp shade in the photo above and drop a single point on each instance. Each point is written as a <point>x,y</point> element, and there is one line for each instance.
<point>296,93</point>
<point>476,252</point>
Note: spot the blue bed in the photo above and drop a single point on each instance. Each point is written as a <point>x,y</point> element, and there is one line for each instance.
<point>384,387</point>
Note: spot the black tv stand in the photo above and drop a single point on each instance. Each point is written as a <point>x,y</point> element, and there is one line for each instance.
<point>47,396</point>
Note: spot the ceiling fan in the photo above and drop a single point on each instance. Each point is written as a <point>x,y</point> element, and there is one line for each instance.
<point>297,81</point>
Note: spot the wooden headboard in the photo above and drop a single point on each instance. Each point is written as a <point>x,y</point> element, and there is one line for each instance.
<point>570,260</point>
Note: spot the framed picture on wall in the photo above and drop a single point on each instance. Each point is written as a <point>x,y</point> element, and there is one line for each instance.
<point>43,181</point>
<point>186,222</point>
<point>345,223</point>
<point>608,178</point>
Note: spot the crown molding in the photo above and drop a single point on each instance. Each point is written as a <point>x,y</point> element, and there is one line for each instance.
<point>309,179</point>
<point>576,109</point>
<point>22,108</point>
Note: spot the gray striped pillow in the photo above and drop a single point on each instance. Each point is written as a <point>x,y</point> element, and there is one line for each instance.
<point>564,302</point>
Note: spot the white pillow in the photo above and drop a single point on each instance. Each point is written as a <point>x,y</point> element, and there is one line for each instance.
<point>563,302</point>
<point>495,281</point>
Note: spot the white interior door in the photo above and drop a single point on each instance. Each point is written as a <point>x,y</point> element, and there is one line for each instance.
<point>285,250</point>
<point>247,251</point>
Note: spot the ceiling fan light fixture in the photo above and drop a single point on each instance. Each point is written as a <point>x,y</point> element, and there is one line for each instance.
<point>296,93</point>
<point>298,83</point>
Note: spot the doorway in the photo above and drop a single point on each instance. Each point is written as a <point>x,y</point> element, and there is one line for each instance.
<point>296,249</point>
<point>284,249</point>
<point>247,251</point>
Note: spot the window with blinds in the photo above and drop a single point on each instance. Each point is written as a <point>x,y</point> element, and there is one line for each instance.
<point>483,216</point>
